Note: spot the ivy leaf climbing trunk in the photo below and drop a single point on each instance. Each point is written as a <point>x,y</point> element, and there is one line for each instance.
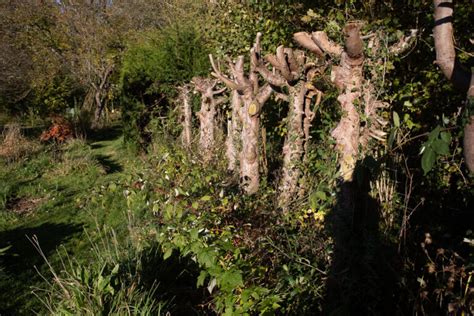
<point>461,78</point>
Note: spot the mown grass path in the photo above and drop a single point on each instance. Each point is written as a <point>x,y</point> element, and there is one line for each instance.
<point>50,195</point>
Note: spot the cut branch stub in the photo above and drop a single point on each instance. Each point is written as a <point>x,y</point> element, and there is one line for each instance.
<point>305,40</point>
<point>353,42</point>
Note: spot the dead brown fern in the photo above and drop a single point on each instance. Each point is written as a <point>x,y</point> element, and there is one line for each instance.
<point>14,145</point>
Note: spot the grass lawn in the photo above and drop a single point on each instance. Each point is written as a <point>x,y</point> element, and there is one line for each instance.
<point>52,195</point>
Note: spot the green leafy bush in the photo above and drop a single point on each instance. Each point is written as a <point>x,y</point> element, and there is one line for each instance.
<point>153,65</point>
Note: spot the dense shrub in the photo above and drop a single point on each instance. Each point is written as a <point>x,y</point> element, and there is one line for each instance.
<point>154,64</point>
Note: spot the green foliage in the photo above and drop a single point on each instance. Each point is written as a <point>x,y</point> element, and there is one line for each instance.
<point>154,64</point>
<point>236,23</point>
<point>437,145</point>
<point>109,285</point>
<point>247,267</point>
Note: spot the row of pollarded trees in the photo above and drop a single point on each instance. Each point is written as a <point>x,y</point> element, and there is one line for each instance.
<point>289,74</point>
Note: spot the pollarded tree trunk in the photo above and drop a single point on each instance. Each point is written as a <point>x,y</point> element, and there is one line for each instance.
<point>293,148</point>
<point>348,78</point>
<point>207,116</point>
<point>446,59</point>
<point>290,70</point>
<point>234,128</point>
<point>249,171</point>
<point>253,99</point>
<point>185,98</point>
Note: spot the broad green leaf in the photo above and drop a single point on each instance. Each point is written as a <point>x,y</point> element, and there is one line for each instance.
<point>428,160</point>
<point>206,198</point>
<point>168,254</point>
<point>201,278</point>
<point>446,137</point>
<point>396,119</point>
<point>321,195</point>
<point>440,147</point>
<point>434,134</point>
<point>232,279</point>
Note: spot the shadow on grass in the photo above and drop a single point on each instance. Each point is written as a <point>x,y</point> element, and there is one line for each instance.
<point>107,133</point>
<point>110,165</point>
<point>175,281</point>
<point>20,260</point>
<point>361,279</point>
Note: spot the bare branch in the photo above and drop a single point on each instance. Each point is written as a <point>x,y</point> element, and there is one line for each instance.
<point>228,82</point>
<point>272,77</point>
<point>404,43</point>
<point>281,57</point>
<point>329,47</point>
<point>219,91</point>
<point>220,100</point>
<point>264,93</point>
<point>296,58</point>
<point>304,40</point>
<point>281,96</point>
<point>273,61</point>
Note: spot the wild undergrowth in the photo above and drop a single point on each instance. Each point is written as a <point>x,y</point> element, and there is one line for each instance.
<point>252,258</point>
<point>47,194</point>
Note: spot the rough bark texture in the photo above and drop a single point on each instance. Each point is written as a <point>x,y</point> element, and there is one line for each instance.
<point>234,128</point>
<point>348,79</point>
<point>451,68</point>
<point>356,95</point>
<point>207,116</point>
<point>293,147</point>
<point>253,98</point>
<point>290,70</point>
<point>186,121</point>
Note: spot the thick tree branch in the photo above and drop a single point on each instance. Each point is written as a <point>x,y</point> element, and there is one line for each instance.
<point>228,82</point>
<point>264,94</point>
<point>329,47</point>
<point>404,44</point>
<point>305,40</point>
<point>444,45</point>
